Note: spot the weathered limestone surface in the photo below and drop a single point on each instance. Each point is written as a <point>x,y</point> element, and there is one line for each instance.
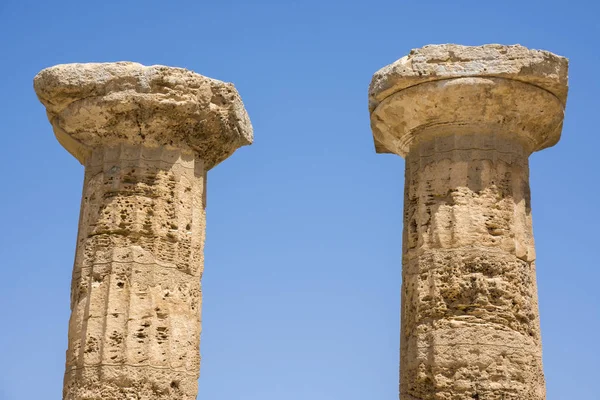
<point>466,119</point>
<point>147,137</point>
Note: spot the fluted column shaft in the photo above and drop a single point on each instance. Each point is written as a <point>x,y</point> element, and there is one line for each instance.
<point>470,324</point>
<point>136,296</point>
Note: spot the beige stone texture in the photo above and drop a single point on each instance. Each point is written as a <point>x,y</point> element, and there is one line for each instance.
<point>92,105</point>
<point>466,120</point>
<point>147,137</point>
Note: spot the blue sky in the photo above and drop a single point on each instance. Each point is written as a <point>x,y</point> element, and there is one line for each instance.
<point>302,274</point>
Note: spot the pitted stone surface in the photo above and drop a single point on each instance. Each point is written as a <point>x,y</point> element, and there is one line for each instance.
<point>470,322</point>
<point>147,137</point>
<point>446,61</point>
<point>136,297</point>
<point>94,105</point>
<point>470,315</point>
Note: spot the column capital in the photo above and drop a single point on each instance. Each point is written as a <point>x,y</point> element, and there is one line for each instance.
<point>490,89</point>
<point>103,104</point>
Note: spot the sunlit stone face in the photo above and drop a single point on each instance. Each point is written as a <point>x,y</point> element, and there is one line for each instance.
<point>147,137</point>
<point>466,120</point>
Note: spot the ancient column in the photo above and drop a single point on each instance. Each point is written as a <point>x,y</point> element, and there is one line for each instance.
<point>147,137</point>
<point>466,120</point>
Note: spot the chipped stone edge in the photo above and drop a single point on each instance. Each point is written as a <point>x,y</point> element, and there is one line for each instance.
<point>377,86</point>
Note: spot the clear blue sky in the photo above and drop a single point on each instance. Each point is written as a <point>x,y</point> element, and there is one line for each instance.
<point>303,250</point>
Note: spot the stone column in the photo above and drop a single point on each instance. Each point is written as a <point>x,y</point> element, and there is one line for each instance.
<point>147,137</point>
<point>466,120</point>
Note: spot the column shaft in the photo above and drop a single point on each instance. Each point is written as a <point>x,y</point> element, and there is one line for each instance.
<point>134,330</point>
<point>470,324</point>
